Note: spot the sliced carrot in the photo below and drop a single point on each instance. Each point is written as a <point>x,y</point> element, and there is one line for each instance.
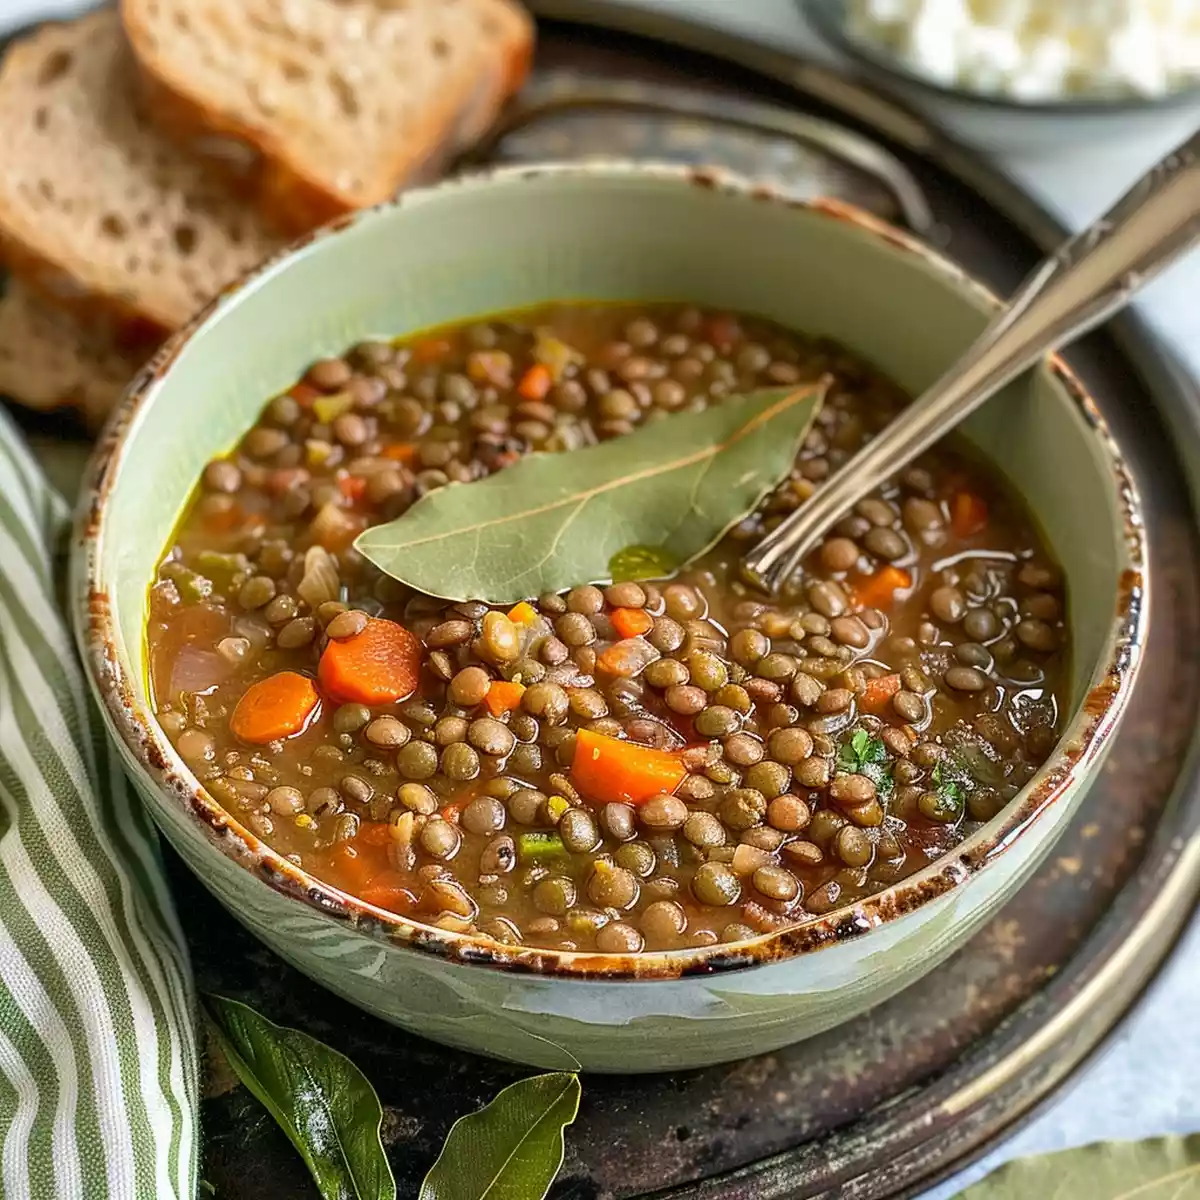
<point>878,693</point>
<point>304,394</point>
<point>401,452</point>
<point>377,666</point>
<point>523,613</point>
<point>968,514</point>
<point>626,658</point>
<point>503,696</point>
<point>430,350</point>
<point>279,706</point>
<point>607,769</point>
<point>353,487</point>
<point>355,866</point>
<point>536,383</point>
<point>387,890</point>
<point>374,833</point>
<point>878,590</point>
<point>631,622</point>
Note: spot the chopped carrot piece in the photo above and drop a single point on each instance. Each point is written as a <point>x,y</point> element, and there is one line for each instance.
<point>353,487</point>
<point>279,706</point>
<point>523,613</point>
<point>535,384</point>
<point>878,693</point>
<point>878,590</point>
<point>401,452</point>
<point>968,514</point>
<point>387,890</point>
<point>626,658</point>
<point>304,394</point>
<point>377,666</point>
<point>607,769</point>
<point>631,622</point>
<point>503,696</point>
<point>355,866</point>
<point>430,350</point>
<point>374,833</point>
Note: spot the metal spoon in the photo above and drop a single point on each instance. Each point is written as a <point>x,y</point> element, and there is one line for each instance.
<point>1090,277</point>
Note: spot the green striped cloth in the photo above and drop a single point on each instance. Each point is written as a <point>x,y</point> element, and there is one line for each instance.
<point>98,1068</point>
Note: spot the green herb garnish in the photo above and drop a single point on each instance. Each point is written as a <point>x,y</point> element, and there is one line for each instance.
<point>950,792</point>
<point>867,755</point>
<point>533,847</point>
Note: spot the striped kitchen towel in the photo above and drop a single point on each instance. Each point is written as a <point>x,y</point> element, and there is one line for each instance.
<point>98,1067</point>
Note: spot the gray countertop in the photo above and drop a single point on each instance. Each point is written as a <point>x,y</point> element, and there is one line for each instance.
<point>1143,1083</point>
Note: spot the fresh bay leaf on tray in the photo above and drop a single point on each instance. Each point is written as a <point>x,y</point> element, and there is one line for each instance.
<point>1166,1168</point>
<point>319,1098</point>
<point>555,521</point>
<point>511,1149</point>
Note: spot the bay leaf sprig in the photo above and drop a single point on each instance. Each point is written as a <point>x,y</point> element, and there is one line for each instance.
<point>319,1098</point>
<point>512,1148</point>
<point>555,521</point>
<point>1165,1168</point>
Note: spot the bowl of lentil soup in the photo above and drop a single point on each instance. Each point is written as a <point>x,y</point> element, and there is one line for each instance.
<point>642,825</point>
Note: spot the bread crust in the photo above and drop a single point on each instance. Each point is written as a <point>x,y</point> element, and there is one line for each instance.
<point>290,193</point>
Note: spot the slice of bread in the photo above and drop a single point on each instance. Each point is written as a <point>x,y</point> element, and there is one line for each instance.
<point>98,211</point>
<point>48,362</point>
<point>325,106</point>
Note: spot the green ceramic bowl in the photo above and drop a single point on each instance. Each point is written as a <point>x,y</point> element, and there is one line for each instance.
<point>621,233</point>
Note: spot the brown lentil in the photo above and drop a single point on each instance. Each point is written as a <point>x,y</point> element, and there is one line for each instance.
<point>766,698</point>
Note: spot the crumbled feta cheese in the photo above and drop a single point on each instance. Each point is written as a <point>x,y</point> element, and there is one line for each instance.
<point>1040,49</point>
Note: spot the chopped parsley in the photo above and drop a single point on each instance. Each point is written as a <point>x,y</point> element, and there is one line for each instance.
<point>949,791</point>
<point>866,755</point>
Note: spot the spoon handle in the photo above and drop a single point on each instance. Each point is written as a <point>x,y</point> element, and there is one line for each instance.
<point>1090,277</point>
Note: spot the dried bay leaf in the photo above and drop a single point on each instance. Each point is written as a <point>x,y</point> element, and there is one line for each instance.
<point>319,1098</point>
<point>511,1149</point>
<point>1166,1168</point>
<point>555,521</point>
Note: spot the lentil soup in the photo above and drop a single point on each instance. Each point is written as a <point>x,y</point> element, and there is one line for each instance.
<point>645,765</point>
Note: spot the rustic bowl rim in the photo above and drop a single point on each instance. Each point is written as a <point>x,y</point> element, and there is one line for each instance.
<point>129,713</point>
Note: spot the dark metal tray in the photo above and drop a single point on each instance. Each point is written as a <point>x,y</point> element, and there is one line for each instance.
<point>892,1101</point>
<point>901,1096</point>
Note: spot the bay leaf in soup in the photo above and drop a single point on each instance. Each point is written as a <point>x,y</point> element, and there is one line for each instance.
<point>555,521</point>
<point>1166,1168</point>
<point>512,1148</point>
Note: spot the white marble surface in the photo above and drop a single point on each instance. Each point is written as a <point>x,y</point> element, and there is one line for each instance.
<point>1145,1081</point>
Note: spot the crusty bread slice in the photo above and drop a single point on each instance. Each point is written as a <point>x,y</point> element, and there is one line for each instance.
<point>324,106</point>
<point>97,210</point>
<point>48,362</point>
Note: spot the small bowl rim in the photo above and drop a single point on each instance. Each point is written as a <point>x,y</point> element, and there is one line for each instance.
<point>129,714</point>
<point>827,18</point>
